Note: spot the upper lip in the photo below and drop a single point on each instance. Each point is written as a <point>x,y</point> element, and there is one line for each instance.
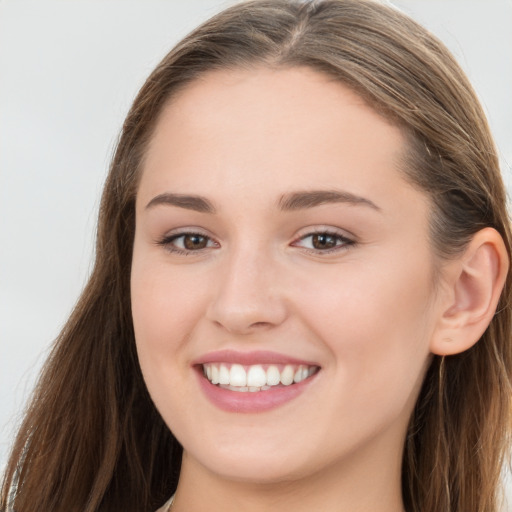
<point>250,358</point>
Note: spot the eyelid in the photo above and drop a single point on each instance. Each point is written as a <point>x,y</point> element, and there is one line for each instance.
<point>327,229</point>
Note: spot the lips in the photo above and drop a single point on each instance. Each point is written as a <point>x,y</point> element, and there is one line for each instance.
<point>253,381</point>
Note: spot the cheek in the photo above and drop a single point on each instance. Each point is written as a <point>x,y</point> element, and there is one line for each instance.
<point>364,302</point>
<point>164,305</point>
<point>377,324</point>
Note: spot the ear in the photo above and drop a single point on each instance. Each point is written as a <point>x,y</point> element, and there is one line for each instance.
<point>473,284</point>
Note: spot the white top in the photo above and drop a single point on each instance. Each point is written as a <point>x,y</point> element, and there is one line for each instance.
<point>167,506</point>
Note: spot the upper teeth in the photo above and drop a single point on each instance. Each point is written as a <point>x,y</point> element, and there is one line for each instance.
<point>255,377</point>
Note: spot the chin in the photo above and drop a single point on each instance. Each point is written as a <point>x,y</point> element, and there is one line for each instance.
<point>251,464</point>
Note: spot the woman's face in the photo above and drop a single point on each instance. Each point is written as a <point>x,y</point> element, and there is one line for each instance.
<point>276,239</point>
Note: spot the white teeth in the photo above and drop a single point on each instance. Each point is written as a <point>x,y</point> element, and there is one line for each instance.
<point>256,376</point>
<point>301,374</point>
<point>215,374</point>
<point>287,375</point>
<point>253,378</point>
<point>236,388</point>
<point>273,376</point>
<point>223,375</point>
<point>237,376</point>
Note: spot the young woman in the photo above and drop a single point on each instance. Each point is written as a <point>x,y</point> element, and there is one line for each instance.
<point>301,292</point>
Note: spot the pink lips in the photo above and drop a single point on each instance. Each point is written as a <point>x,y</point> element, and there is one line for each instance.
<point>250,402</point>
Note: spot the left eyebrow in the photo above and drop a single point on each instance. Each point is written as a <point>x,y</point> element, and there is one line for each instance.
<point>312,198</point>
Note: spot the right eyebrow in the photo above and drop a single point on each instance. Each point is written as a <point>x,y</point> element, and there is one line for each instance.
<point>196,203</point>
<point>311,198</point>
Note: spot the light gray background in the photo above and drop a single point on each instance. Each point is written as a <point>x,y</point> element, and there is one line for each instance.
<point>69,70</point>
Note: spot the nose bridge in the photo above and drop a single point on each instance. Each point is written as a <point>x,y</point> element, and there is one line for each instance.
<point>247,294</point>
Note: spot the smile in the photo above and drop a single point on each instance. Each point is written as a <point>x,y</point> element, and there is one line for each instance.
<point>256,377</point>
<point>253,382</point>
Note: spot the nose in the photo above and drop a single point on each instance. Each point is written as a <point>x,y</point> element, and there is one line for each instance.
<point>247,295</point>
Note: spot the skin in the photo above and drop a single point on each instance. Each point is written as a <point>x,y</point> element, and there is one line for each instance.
<point>366,312</point>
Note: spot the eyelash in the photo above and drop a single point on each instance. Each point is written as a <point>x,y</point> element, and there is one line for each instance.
<point>341,241</point>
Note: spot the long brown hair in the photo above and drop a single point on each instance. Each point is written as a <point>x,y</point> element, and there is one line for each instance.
<point>93,441</point>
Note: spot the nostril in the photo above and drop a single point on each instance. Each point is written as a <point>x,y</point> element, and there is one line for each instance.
<point>235,328</point>
<point>260,324</point>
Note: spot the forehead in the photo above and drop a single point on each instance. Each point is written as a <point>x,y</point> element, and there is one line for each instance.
<point>245,130</point>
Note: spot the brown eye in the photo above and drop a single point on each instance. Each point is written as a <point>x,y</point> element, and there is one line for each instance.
<point>324,242</point>
<point>321,241</point>
<point>187,243</point>
<point>194,242</point>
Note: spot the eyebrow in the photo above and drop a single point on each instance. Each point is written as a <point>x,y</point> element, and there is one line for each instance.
<point>196,203</point>
<point>312,198</point>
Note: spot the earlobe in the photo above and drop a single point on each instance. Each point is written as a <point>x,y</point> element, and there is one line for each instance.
<point>474,284</point>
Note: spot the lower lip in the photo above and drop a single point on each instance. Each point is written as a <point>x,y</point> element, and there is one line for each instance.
<point>257,401</point>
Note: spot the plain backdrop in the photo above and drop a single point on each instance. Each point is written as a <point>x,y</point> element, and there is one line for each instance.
<point>69,70</point>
